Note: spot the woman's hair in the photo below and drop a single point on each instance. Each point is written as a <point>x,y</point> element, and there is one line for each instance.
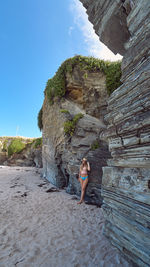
<point>84,163</point>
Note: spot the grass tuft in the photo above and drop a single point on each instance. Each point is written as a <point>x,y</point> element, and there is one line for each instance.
<point>70,125</point>
<point>64,111</point>
<point>95,145</point>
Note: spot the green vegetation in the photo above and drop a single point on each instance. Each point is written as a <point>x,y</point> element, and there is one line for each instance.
<point>5,146</point>
<point>69,126</point>
<point>56,86</point>
<point>37,143</point>
<point>85,75</point>
<point>64,111</point>
<point>15,146</point>
<point>95,145</point>
<point>40,122</point>
<point>113,75</point>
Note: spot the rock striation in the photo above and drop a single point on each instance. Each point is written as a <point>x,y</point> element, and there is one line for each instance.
<point>124,26</point>
<point>62,153</point>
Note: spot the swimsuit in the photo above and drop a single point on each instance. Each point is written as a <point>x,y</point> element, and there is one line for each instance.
<point>84,173</point>
<point>84,178</point>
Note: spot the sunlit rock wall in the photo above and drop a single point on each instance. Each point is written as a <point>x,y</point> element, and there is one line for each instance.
<point>124,26</point>
<point>61,154</point>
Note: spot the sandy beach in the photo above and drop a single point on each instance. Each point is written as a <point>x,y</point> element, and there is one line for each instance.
<point>49,229</point>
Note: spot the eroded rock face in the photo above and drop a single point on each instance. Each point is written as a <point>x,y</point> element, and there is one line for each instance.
<point>88,91</point>
<point>126,180</point>
<point>62,154</point>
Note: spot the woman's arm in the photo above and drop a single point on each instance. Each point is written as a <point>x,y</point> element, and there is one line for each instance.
<point>79,172</point>
<point>88,166</point>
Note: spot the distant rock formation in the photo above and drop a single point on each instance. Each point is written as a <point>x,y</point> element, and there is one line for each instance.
<point>124,26</point>
<point>86,94</point>
<point>28,152</point>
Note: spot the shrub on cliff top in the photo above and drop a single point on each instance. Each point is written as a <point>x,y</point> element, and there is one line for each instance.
<point>113,75</point>
<point>16,146</point>
<point>40,122</point>
<point>56,86</point>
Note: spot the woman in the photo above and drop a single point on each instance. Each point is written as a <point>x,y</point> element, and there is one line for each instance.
<point>83,177</point>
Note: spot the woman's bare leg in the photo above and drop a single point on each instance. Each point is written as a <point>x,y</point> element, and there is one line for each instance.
<point>85,182</point>
<point>81,182</point>
<point>83,188</point>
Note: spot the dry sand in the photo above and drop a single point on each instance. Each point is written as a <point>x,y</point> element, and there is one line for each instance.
<point>49,229</point>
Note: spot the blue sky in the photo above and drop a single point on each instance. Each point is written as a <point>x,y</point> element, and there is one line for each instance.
<point>36,36</point>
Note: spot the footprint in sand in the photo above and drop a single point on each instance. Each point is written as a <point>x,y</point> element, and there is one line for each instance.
<point>4,232</point>
<point>24,194</point>
<point>13,185</point>
<point>19,261</point>
<point>41,185</point>
<point>52,189</point>
<point>23,230</point>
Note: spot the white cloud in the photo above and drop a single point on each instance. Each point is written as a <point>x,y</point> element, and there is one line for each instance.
<point>70,30</point>
<point>94,46</point>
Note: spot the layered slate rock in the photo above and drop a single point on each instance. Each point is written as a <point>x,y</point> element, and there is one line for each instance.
<point>109,18</point>
<point>126,179</point>
<point>62,153</point>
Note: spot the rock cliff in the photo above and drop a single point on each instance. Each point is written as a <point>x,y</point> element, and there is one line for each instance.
<point>124,26</point>
<point>66,143</point>
<point>20,151</point>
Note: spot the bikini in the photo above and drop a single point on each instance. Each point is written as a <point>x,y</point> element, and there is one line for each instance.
<point>84,178</point>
